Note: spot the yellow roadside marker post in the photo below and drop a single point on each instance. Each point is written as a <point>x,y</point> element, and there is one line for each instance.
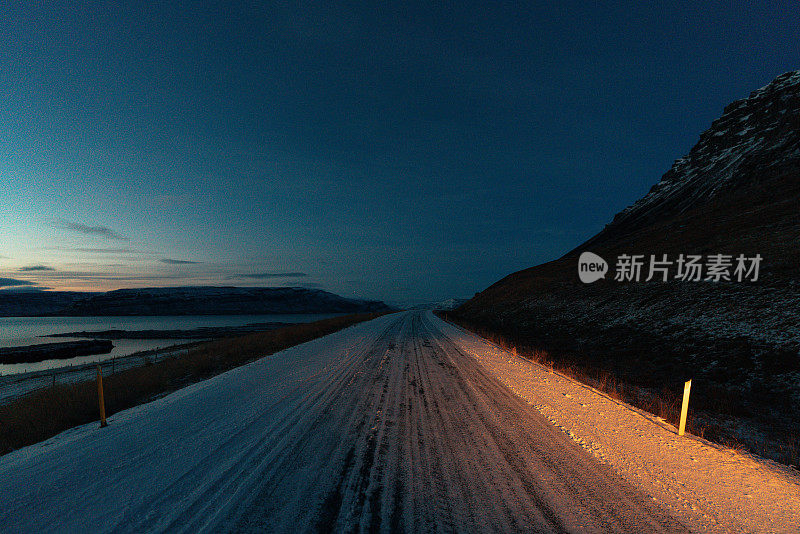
<point>103,422</point>
<point>687,387</point>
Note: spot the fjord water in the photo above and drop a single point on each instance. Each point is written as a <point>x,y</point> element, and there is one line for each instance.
<point>21,331</point>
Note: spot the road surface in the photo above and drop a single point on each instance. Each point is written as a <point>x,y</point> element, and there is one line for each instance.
<point>383,427</point>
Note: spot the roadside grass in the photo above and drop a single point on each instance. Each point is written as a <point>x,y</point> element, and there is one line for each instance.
<point>707,408</point>
<point>46,412</point>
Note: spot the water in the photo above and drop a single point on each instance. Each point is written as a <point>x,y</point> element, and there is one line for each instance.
<point>21,331</point>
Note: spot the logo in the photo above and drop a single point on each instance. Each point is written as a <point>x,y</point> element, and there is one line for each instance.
<point>686,268</point>
<point>591,267</point>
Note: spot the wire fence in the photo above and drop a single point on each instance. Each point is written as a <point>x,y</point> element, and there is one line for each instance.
<point>13,386</point>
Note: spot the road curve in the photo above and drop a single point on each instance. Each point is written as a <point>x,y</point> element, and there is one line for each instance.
<point>398,432</point>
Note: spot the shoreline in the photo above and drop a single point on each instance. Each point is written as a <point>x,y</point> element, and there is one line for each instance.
<point>15,385</point>
<point>64,350</point>
<point>203,332</point>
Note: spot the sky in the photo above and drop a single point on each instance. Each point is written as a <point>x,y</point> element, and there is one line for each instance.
<point>401,152</point>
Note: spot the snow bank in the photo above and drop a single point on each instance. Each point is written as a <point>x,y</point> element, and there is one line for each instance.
<point>176,447</point>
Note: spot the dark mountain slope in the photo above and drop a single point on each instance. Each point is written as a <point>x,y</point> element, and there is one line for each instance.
<point>183,301</point>
<point>736,192</point>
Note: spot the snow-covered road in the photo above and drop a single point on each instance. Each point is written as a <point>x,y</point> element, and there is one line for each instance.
<point>384,426</point>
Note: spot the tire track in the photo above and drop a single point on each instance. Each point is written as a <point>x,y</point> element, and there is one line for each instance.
<point>402,434</point>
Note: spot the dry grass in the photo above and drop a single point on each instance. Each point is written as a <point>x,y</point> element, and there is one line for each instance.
<point>664,403</point>
<point>47,412</point>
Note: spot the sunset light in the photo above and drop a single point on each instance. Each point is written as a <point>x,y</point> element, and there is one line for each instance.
<point>417,267</point>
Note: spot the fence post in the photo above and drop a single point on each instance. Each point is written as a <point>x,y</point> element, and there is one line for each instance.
<point>103,422</point>
<point>687,387</point>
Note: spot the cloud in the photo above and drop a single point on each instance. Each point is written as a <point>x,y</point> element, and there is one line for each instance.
<point>32,268</point>
<point>86,229</point>
<point>274,275</point>
<point>106,250</point>
<point>13,282</point>
<point>179,262</point>
<point>94,276</point>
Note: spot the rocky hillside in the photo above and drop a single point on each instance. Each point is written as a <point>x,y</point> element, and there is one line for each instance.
<point>753,145</point>
<point>737,192</point>
<point>183,301</point>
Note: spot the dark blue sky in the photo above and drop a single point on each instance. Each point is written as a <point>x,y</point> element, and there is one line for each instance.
<point>382,151</point>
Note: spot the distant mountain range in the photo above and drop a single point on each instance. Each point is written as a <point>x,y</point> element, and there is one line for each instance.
<point>200,300</point>
<point>736,192</point>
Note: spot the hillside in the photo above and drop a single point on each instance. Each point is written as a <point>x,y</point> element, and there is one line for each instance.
<point>736,192</point>
<point>182,301</point>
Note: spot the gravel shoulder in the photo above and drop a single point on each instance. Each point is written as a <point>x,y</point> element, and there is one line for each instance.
<point>720,488</point>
